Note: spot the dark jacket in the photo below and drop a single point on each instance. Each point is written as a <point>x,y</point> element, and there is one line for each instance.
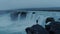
<point>55,27</point>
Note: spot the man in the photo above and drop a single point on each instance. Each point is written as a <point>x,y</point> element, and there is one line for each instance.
<point>49,22</point>
<point>52,26</point>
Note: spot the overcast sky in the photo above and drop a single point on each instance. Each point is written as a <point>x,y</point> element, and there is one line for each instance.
<point>15,4</point>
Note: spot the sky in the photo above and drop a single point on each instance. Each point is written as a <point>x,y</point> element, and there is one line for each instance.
<point>18,4</point>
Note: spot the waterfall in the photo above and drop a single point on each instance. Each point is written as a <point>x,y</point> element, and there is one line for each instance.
<point>18,23</point>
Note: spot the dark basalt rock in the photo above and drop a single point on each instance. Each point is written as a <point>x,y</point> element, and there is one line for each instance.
<point>36,29</point>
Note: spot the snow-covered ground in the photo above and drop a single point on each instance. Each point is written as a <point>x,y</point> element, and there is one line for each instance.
<point>7,26</point>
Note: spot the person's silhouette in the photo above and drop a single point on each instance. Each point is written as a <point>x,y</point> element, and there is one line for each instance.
<point>50,25</point>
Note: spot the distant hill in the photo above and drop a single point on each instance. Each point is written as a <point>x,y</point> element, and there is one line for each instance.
<point>41,9</point>
<point>32,9</point>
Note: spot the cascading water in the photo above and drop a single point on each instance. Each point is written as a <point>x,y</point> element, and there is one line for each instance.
<point>12,26</point>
